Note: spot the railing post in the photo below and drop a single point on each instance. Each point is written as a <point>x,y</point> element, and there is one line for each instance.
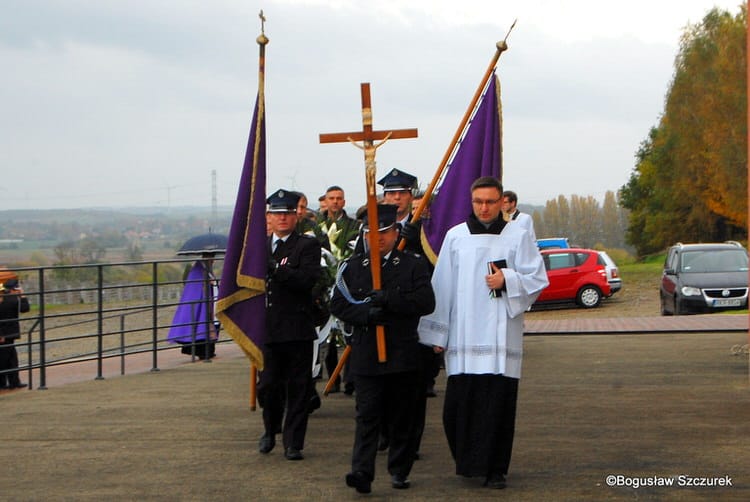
<point>30,353</point>
<point>193,331</point>
<point>42,335</point>
<point>99,320</point>
<point>122,344</point>
<point>154,316</point>
<point>30,359</point>
<point>209,322</point>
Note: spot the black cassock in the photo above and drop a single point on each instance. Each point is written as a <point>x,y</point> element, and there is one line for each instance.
<point>393,385</point>
<point>479,418</point>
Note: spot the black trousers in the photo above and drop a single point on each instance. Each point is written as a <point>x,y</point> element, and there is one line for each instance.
<point>396,393</point>
<point>9,361</point>
<point>286,383</point>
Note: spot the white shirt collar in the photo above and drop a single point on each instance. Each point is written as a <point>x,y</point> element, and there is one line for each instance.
<point>276,238</point>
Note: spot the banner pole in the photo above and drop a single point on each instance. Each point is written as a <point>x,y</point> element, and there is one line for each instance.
<point>500,46</point>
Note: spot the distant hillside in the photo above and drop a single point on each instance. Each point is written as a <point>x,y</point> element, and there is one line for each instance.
<point>30,236</point>
<point>100,214</point>
<point>529,209</point>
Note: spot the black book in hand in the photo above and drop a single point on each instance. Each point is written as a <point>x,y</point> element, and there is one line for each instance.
<point>496,293</point>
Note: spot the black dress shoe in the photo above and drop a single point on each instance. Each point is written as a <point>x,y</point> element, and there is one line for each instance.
<point>18,385</point>
<point>359,481</point>
<point>400,482</point>
<point>293,454</point>
<point>496,481</point>
<point>266,443</point>
<point>431,392</point>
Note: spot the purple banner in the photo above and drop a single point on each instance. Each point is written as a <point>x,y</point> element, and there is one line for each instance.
<point>241,304</point>
<point>479,154</point>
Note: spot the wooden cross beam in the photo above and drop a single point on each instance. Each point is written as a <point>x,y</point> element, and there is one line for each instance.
<point>368,137</point>
<point>367,134</point>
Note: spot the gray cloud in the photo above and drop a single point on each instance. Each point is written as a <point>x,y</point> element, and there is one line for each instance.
<point>132,103</point>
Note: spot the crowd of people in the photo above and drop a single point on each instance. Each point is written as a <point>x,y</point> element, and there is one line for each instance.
<point>465,314</point>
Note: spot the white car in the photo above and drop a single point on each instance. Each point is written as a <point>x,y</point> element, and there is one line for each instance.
<point>613,275</point>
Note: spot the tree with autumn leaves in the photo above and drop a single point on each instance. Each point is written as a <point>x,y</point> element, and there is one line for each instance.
<point>690,180</point>
<point>583,221</point>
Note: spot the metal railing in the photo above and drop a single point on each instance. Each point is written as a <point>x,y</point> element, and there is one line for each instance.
<point>85,313</point>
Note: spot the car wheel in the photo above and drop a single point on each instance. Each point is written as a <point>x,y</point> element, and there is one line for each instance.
<point>589,296</point>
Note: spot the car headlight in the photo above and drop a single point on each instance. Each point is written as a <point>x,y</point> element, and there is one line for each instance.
<point>690,291</point>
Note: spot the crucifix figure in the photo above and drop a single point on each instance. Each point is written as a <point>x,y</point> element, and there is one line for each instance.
<point>368,137</point>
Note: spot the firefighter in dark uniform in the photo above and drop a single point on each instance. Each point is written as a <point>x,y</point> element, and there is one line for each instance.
<point>405,295</point>
<point>398,189</point>
<point>286,380</point>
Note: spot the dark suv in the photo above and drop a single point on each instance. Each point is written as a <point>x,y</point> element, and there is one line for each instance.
<point>704,278</point>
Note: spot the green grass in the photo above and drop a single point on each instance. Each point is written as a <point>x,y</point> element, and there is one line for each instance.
<point>651,266</point>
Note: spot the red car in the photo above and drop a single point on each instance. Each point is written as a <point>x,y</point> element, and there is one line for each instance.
<point>575,275</point>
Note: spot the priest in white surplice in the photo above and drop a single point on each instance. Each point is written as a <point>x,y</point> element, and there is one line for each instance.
<point>478,323</point>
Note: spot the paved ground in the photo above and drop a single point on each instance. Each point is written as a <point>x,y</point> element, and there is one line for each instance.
<point>650,324</point>
<point>650,407</point>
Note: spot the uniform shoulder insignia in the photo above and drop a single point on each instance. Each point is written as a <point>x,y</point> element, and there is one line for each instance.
<point>307,235</point>
<point>411,253</point>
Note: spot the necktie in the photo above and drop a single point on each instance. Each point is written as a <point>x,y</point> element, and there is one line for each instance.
<point>278,245</point>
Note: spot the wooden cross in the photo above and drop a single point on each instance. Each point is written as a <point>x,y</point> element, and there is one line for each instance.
<point>368,137</point>
<point>262,22</point>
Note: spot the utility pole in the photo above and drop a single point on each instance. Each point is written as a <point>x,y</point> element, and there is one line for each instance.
<point>169,195</point>
<point>214,203</point>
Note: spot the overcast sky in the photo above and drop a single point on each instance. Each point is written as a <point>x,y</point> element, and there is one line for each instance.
<point>114,103</point>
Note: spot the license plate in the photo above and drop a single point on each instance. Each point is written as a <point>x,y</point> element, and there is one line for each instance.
<point>727,302</point>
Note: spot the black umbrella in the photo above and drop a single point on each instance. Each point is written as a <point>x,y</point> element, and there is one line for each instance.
<point>204,244</point>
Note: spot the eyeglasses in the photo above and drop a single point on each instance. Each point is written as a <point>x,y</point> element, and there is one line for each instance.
<point>485,202</point>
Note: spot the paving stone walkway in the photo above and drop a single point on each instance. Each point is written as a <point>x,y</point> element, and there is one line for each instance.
<point>594,411</point>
